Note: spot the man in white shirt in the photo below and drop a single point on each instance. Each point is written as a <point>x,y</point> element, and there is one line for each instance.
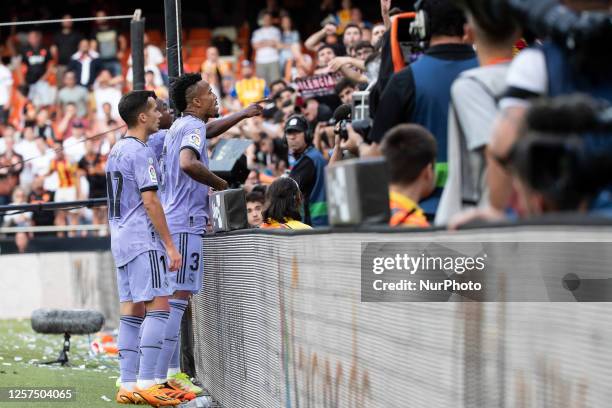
<point>106,92</point>
<point>266,41</point>
<point>6,84</point>
<point>74,146</point>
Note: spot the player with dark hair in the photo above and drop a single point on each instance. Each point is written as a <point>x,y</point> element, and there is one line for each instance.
<point>283,203</point>
<point>410,151</point>
<point>156,140</point>
<point>185,183</point>
<point>143,251</point>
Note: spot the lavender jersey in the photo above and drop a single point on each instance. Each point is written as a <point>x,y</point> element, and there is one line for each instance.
<point>156,142</point>
<point>185,200</point>
<point>130,170</point>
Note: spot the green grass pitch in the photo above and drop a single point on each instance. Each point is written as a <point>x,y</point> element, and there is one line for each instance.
<point>93,378</point>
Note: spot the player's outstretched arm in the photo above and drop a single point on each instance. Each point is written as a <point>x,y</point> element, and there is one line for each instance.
<point>220,126</point>
<point>156,213</point>
<point>195,169</point>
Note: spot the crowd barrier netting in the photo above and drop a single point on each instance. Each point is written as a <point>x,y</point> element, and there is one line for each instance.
<point>280,323</point>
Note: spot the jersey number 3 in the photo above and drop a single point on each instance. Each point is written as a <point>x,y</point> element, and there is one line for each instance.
<point>113,191</point>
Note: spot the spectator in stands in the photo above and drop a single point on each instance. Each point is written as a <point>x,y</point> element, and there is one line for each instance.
<point>74,144</point>
<point>9,130</point>
<point>39,165</point>
<point>44,127</point>
<point>107,90</point>
<point>354,67</point>
<point>154,54</point>
<point>39,195</point>
<point>410,151</point>
<point>11,165</point>
<point>345,89</point>
<point>73,93</point>
<point>325,36</point>
<point>350,38</point>
<point>251,181</point>
<point>377,34</point>
<point>150,85</point>
<point>420,93</point>
<point>308,170</point>
<point>91,166</point>
<point>474,107</point>
<point>325,55</point>
<point>85,64</point>
<point>289,37</point>
<point>250,88</point>
<point>266,41</point>
<point>255,203</point>
<point>6,84</point>
<point>213,70</point>
<point>68,187</point>
<point>283,203</point>
<point>111,45</point>
<point>18,219</point>
<point>65,44</point>
<point>36,57</point>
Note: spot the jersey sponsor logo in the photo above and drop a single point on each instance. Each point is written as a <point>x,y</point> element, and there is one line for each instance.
<point>152,174</point>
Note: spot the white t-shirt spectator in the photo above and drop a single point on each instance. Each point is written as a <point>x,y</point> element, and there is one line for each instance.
<point>6,82</point>
<point>107,95</point>
<point>74,148</point>
<point>266,55</point>
<point>42,162</point>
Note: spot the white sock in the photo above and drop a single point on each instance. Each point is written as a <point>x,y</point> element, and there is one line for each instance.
<point>145,384</point>
<point>128,385</point>
<point>172,371</point>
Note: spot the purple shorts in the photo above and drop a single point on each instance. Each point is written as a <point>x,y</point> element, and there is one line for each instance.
<point>144,278</point>
<point>190,276</point>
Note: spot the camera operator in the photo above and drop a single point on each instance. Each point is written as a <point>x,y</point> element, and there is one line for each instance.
<point>548,70</point>
<point>308,170</point>
<point>474,98</point>
<point>559,161</point>
<point>420,93</point>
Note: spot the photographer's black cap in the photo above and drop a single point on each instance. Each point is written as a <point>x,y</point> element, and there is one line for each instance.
<point>296,123</point>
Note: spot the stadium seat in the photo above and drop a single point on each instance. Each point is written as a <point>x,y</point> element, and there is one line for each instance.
<point>199,34</point>
<point>155,37</point>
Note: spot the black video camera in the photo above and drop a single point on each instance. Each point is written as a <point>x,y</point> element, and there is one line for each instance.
<point>584,35</point>
<point>566,149</point>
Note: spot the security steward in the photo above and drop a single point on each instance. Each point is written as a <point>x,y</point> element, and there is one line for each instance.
<point>308,170</point>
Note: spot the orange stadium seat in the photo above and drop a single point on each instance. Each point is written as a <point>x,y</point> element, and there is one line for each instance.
<point>198,51</point>
<point>155,37</point>
<point>199,34</point>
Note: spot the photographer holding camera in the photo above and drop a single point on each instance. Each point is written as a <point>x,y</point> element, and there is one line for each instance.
<point>575,58</point>
<point>560,160</point>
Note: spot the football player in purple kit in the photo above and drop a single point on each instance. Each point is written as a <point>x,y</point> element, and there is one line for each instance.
<point>184,190</point>
<point>143,251</point>
<point>156,140</point>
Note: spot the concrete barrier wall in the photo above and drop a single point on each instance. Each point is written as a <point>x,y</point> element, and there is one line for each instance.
<point>63,280</point>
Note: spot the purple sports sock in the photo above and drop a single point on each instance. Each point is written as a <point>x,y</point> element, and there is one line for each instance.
<point>154,327</point>
<point>175,361</point>
<point>127,343</point>
<point>177,308</point>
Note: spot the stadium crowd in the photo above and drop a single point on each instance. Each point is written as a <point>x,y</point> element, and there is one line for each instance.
<point>445,115</point>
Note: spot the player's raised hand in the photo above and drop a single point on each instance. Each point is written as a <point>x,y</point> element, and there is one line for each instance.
<point>254,109</point>
<point>174,258</point>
